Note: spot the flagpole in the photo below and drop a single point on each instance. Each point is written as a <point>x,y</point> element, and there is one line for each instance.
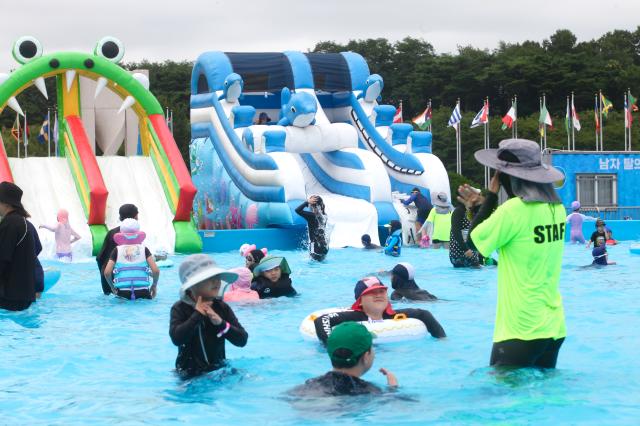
<point>601,123</point>
<point>430,109</point>
<point>629,107</point>
<point>626,119</point>
<point>487,143</point>
<point>514,103</point>
<point>541,136</point>
<point>573,128</point>
<point>569,117</point>
<point>595,114</point>
<point>17,124</point>
<point>459,142</point>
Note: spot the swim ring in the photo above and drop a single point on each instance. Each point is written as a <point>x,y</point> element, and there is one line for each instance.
<point>51,277</point>
<point>389,330</point>
<point>634,249</point>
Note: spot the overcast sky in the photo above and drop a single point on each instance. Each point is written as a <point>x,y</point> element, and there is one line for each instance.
<point>182,29</point>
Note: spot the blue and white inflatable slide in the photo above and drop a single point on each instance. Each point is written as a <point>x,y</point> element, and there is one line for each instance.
<point>320,131</point>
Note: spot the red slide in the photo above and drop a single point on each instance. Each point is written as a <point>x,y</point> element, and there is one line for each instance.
<point>5,170</point>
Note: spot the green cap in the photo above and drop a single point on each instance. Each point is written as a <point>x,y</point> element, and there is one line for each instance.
<point>352,336</point>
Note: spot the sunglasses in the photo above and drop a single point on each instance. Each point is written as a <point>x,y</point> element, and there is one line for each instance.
<point>249,258</point>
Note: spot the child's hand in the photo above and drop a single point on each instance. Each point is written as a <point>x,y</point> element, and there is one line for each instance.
<point>201,306</point>
<point>392,381</point>
<point>213,316</point>
<point>153,290</point>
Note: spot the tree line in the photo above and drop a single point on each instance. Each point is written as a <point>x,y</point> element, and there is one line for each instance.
<point>414,73</point>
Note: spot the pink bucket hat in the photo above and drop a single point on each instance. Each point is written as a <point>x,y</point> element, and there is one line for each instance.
<point>243,283</point>
<point>129,233</point>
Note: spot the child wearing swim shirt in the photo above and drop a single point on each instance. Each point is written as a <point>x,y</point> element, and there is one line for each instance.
<point>201,322</point>
<point>576,219</point>
<point>438,223</point>
<point>65,235</point>
<point>240,290</point>
<point>393,245</point>
<point>271,278</point>
<point>350,349</point>
<point>599,253</point>
<point>404,285</point>
<point>600,232</point>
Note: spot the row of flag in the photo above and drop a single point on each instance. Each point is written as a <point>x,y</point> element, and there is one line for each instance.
<point>423,120</point>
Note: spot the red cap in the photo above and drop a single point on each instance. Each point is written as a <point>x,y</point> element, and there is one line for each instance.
<point>368,285</point>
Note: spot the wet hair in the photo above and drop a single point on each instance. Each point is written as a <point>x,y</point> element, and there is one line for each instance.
<point>257,255</point>
<point>320,204</point>
<point>395,225</point>
<point>366,238</point>
<point>343,354</point>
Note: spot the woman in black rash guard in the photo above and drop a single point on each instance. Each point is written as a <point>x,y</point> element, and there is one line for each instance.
<point>317,223</point>
<point>461,254</point>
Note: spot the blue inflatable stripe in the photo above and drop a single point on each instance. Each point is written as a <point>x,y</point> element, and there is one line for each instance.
<point>343,188</point>
<point>358,68</point>
<point>401,161</point>
<point>386,212</point>
<point>301,68</point>
<point>406,188</point>
<point>252,191</point>
<point>344,159</point>
<point>255,161</point>
<point>214,66</point>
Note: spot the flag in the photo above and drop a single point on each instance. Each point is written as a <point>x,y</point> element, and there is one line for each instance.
<point>545,117</point>
<point>398,117</point>
<point>507,120</point>
<point>632,102</point>
<point>424,120</point>
<point>16,130</point>
<point>456,117</point>
<point>43,135</point>
<point>482,116</point>
<point>606,105</point>
<point>574,117</point>
<point>595,115</point>
<point>566,118</point>
<point>627,114</point>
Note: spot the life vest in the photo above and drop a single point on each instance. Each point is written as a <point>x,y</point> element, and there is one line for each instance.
<point>131,271</point>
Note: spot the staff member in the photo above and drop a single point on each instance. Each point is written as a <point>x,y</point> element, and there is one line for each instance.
<point>528,232</point>
<point>17,251</point>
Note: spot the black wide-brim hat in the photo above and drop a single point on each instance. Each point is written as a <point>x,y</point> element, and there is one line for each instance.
<point>11,194</point>
<point>529,165</point>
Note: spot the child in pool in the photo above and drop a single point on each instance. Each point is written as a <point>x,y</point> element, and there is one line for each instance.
<point>201,323</point>
<point>240,290</point>
<point>393,245</point>
<point>351,353</point>
<point>367,244</point>
<point>600,232</point>
<point>65,235</point>
<point>599,253</point>
<point>575,219</point>
<point>271,278</point>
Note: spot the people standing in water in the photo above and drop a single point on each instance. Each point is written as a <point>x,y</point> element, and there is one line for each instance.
<point>127,211</point>
<point>65,235</point>
<point>272,278</point>
<point>372,304</point>
<point>350,349</point>
<point>131,264</point>
<point>200,321</point>
<point>393,245</point>
<point>576,219</point>
<point>252,256</point>
<point>367,244</point>
<point>528,232</point>
<point>317,224</point>
<point>600,232</point>
<point>404,284</point>
<point>38,270</point>
<point>438,223</point>
<point>424,206</point>
<point>461,254</point>
<point>17,251</point>
<point>599,253</point>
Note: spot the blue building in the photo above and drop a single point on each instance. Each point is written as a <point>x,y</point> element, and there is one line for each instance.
<point>606,183</point>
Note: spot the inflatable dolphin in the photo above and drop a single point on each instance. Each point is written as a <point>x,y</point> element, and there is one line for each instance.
<point>232,88</point>
<point>298,109</point>
<point>372,88</point>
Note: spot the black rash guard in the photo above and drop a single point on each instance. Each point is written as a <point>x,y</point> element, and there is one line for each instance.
<point>200,343</point>
<point>103,257</point>
<point>39,272</point>
<point>17,263</point>
<point>267,289</point>
<point>325,323</point>
<point>335,383</point>
<point>318,246</point>
<point>486,209</point>
<point>460,223</point>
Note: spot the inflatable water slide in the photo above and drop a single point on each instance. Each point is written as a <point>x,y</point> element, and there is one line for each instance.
<point>271,129</point>
<point>150,174</point>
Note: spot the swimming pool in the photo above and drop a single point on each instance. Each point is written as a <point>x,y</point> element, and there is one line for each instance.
<point>78,356</point>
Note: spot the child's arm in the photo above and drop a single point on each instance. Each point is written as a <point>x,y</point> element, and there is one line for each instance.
<point>108,274</point>
<point>155,274</point>
<point>74,234</point>
<point>392,381</point>
<point>181,328</point>
<point>49,227</point>
<point>231,328</point>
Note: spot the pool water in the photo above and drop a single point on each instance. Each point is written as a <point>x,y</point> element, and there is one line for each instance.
<point>78,356</point>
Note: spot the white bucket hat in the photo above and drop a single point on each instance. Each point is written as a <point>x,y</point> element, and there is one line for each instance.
<point>197,268</point>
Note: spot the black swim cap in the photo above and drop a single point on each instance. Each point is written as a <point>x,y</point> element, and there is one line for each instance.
<point>128,211</point>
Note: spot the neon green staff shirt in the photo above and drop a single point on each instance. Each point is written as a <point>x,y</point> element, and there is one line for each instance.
<point>441,225</point>
<point>529,238</point>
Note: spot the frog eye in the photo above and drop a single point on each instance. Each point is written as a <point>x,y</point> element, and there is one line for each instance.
<point>110,48</point>
<point>293,109</point>
<point>27,48</point>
